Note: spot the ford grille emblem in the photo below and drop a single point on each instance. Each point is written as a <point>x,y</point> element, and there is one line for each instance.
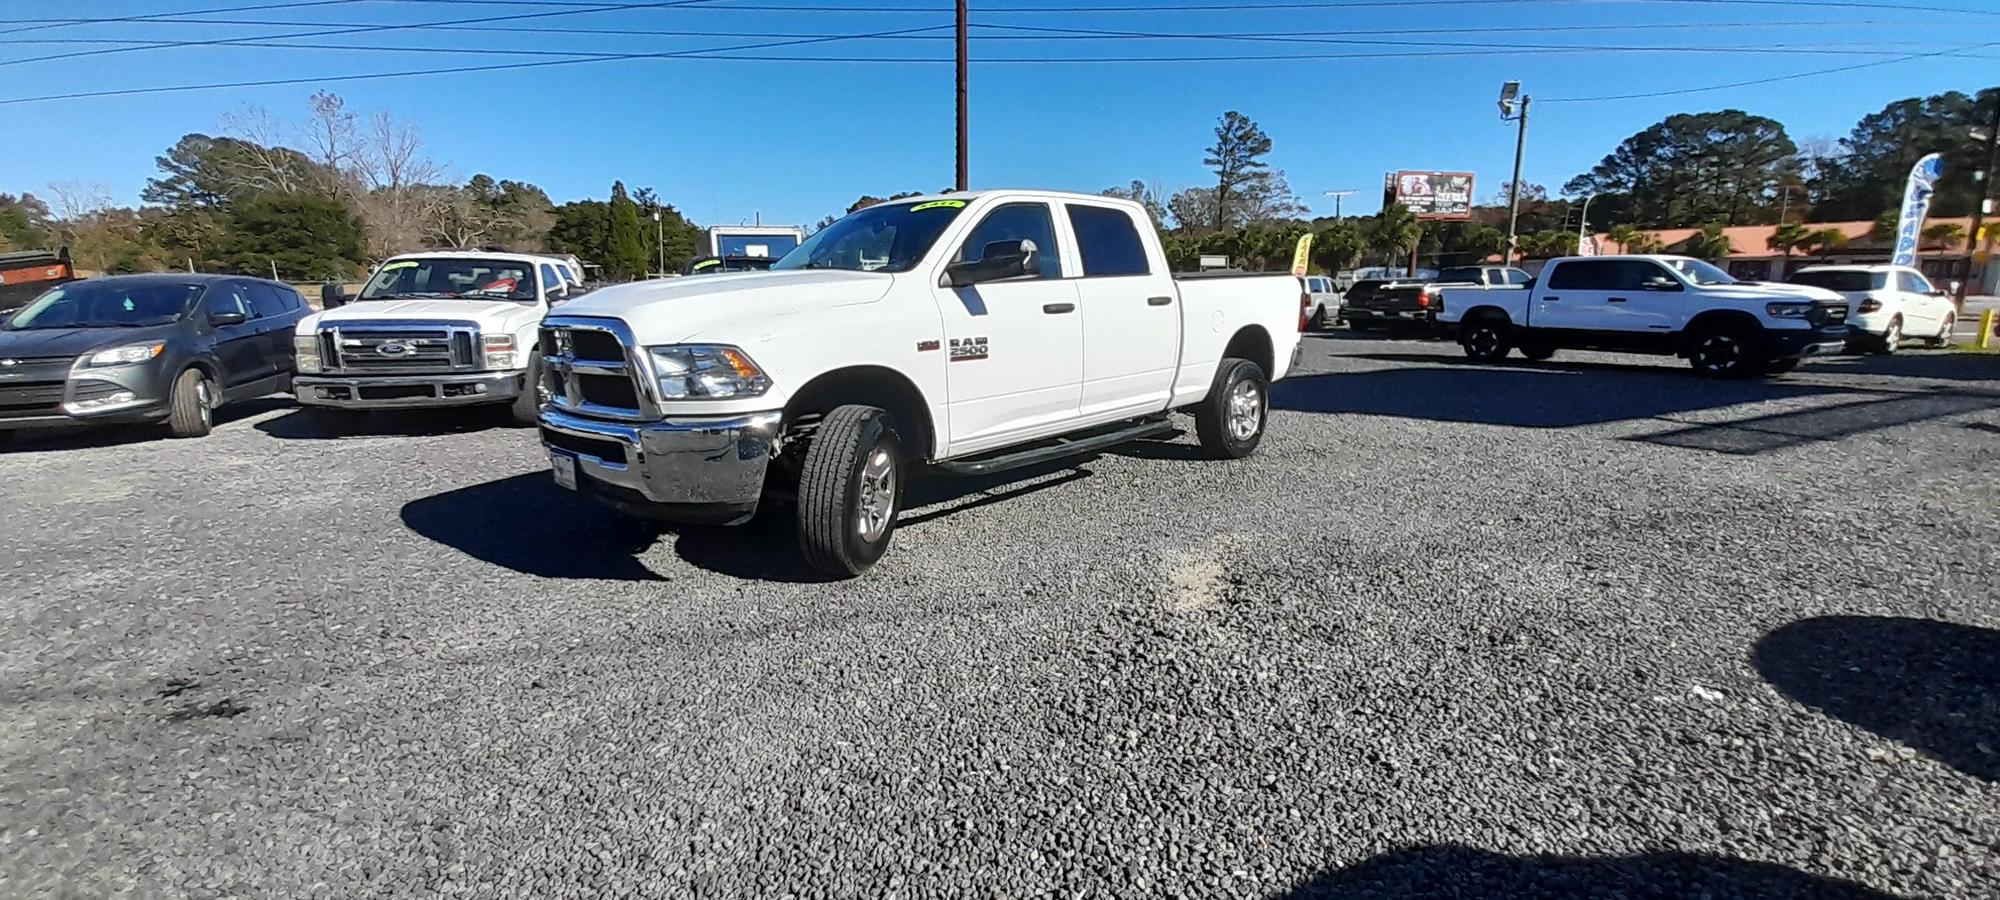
<point>392,349</point>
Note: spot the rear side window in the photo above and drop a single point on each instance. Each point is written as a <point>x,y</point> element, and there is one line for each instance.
<point>1109,242</point>
<point>268,300</point>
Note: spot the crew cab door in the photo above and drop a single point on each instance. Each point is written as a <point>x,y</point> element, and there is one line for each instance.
<point>239,347</point>
<point>1013,348</point>
<point>1131,314</point>
<point>1609,302</point>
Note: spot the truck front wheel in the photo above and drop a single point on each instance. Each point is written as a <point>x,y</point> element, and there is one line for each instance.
<point>1230,420</point>
<point>527,405</point>
<point>850,490</point>
<point>1726,351</point>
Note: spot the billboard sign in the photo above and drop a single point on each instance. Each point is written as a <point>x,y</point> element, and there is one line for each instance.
<point>1431,195</point>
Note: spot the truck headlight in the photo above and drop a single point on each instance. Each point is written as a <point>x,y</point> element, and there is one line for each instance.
<point>1788,310</point>
<point>499,350</point>
<point>305,353</point>
<point>706,371</point>
<point>130,354</point>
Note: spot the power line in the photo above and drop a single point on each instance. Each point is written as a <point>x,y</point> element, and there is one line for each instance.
<point>1311,5</point>
<point>61,23</point>
<point>1952,51</point>
<point>496,67</point>
<point>362,29</point>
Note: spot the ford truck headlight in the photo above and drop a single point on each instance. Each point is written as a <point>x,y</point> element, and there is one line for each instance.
<point>130,354</point>
<point>1788,310</point>
<point>706,372</point>
<point>305,353</point>
<point>499,350</point>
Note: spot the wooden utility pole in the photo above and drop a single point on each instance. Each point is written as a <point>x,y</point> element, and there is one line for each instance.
<point>964,179</point>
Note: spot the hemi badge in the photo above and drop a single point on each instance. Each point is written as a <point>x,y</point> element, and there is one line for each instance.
<point>927,346</point>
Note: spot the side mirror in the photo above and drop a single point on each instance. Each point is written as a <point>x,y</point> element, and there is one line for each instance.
<point>1000,261</point>
<point>332,294</point>
<point>1661,283</point>
<point>226,319</point>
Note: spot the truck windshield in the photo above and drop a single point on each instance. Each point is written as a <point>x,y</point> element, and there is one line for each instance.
<point>1699,272</point>
<point>107,304</point>
<point>881,238</point>
<point>452,277</point>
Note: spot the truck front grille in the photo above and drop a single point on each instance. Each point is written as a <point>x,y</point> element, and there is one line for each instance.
<point>400,347</point>
<point>592,368</point>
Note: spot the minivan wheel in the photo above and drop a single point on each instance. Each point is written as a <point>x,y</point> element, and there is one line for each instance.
<point>191,405</point>
<point>850,490</point>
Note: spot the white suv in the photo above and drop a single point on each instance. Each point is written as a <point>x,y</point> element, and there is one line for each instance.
<point>1886,304</point>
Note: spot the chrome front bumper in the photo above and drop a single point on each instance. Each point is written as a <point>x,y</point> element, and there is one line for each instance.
<point>436,390</point>
<point>698,470</point>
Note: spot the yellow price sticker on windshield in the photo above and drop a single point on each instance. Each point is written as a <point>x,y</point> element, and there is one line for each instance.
<point>938,204</point>
<point>405,264</point>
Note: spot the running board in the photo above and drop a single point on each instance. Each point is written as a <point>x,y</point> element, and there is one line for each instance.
<point>1063,448</point>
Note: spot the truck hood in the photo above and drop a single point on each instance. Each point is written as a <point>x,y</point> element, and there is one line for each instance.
<point>491,315</point>
<point>38,343</point>
<point>1766,292</point>
<point>733,308</point>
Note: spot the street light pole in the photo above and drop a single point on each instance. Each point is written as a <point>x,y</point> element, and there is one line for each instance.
<point>1508,92</point>
<point>964,179</point>
<point>1985,197</point>
<point>660,240</point>
<point>1583,224</point>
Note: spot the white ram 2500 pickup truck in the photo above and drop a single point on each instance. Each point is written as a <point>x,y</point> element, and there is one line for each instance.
<point>970,333</point>
<point>1649,304</point>
<point>436,329</point>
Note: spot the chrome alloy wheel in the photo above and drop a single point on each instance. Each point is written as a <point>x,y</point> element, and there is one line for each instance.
<point>878,495</point>
<point>204,401</point>
<point>1246,410</point>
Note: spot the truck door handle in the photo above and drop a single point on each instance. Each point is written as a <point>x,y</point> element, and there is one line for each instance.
<point>1158,301</point>
<point>1614,299</point>
<point>1056,309</point>
<point>1550,299</point>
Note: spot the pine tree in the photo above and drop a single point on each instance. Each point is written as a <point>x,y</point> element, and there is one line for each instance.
<point>625,258</point>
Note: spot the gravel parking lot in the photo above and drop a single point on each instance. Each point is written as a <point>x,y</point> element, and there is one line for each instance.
<point>1570,628</point>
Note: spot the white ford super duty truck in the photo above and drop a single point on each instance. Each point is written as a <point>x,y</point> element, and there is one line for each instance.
<point>436,329</point>
<point>1649,304</point>
<point>968,333</point>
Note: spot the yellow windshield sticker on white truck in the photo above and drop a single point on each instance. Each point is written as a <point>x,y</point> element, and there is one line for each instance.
<point>938,204</point>
<point>405,264</point>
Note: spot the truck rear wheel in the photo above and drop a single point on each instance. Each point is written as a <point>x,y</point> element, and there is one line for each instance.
<point>1230,420</point>
<point>1486,338</point>
<point>850,490</point>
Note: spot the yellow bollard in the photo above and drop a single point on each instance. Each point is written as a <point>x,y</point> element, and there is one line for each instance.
<point>1985,329</point>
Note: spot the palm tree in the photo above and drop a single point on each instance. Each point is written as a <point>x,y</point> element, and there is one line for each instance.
<point>1885,227</point>
<point>1644,242</point>
<point>1396,231</point>
<point>1788,237</point>
<point>1825,241</point>
<point>1944,234</point>
<point>1623,235</point>
<point>1710,243</point>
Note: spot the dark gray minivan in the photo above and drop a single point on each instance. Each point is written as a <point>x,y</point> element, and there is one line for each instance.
<point>145,348</point>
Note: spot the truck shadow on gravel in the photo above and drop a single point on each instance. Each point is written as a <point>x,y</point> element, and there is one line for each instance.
<point>1454,871</point>
<point>301,426</point>
<point>525,523</point>
<point>1931,685</point>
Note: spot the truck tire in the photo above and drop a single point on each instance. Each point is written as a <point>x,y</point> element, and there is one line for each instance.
<point>1318,322</point>
<point>1538,352</point>
<point>850,490</point>
<point>1230,420</point>
<point>191,405</point>
<point>527,406</point>
<point>1726,350</point>
<point>1485,338</point>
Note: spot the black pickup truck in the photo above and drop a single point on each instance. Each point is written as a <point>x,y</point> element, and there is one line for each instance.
<point>25,274</point>
<point>1412,303</point>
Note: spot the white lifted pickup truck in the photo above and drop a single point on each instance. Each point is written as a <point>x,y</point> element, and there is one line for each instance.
<point>434,329</point>
<point>1649,304</point>
<point>969,333</point>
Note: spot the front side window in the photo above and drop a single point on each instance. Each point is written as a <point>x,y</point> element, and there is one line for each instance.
<point>106,304</point>
<point>450,278</point>
<point>1016,222</point>
<point>551,282</point>
<point>886,237</point>
<point>1110,244</point>
<point>231,298</point>
<point>1916,284</point>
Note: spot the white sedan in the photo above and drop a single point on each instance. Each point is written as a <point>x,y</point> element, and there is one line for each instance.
<point>1886,304</point>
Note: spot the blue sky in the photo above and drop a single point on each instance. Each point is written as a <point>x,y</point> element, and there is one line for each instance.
<point>727,140</point>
